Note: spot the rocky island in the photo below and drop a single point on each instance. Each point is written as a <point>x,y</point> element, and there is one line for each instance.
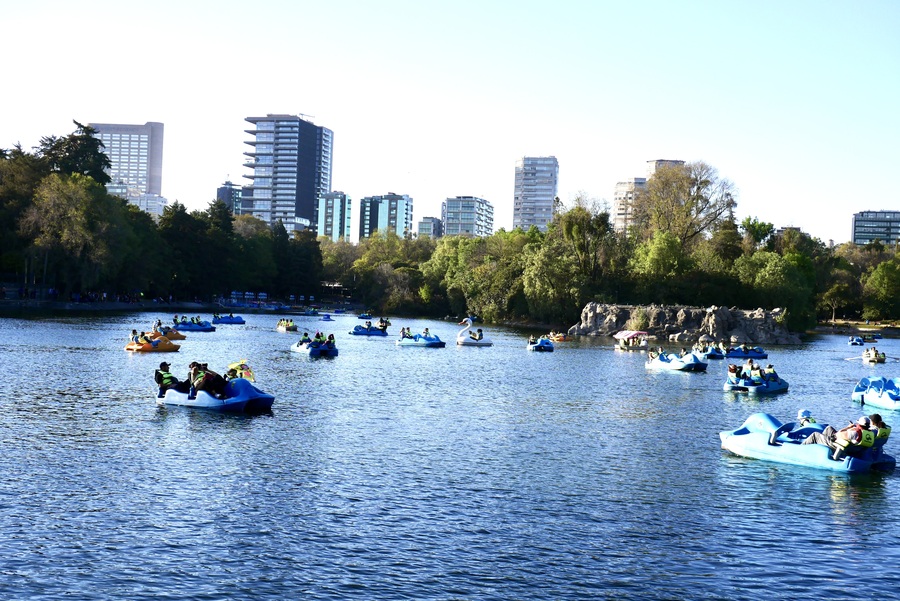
<point>687,324</point>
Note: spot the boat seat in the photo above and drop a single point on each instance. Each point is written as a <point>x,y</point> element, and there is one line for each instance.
<point>773,438</point>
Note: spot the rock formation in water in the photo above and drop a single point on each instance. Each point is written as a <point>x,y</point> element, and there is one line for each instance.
<point>686,324</point>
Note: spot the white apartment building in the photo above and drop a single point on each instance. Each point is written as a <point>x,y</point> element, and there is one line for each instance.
<point>534,192</point>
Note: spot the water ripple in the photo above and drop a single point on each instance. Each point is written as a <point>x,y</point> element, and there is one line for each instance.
<point>389,473</point>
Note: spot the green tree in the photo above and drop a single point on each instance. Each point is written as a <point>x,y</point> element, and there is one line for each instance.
<point>143,263</point>
<point>685,201</point>
<point>881,291</point>
<point>717,254</point>
<point>79,152</point>
<point>20,175</point>
<point>337,261</point>
<point>75,224</point>
<point>219,253</point>
<point>184,235</point>
<point>662,256</point>
<point>837,297</point>
<point>863,259</point>
<point>254,259</point>
<point>755,233</point>
<point>770,280</point>
<point>305,265</point>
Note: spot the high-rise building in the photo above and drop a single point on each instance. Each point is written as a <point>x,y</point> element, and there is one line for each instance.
<point>335,210</point>
<point>390,212</point>
<point>623,201</point>
<point>231,195</point>
<point>467,216</point>
<point>534,193</point>
<point>869,226</point>
<point>135,153</point>
<point>149,203</point>
<point>652,166</point>
<point>430,227</point>
<point>290,160</point>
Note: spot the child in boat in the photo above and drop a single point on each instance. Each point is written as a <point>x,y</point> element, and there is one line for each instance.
<point>804,418</point>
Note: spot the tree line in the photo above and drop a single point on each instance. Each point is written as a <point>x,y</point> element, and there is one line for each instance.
<point>61,230</point>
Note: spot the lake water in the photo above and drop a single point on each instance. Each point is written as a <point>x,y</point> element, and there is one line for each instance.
<point>408,473</point>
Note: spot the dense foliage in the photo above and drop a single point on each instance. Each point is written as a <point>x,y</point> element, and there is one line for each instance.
<point>62,235</point>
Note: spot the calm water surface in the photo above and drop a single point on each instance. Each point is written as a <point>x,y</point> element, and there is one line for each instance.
<point>407,473</point>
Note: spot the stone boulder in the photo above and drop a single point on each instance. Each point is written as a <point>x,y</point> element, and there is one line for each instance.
<point>686,324</point>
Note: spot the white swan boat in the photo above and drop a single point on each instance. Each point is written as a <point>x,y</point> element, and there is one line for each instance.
<point>466,338</point>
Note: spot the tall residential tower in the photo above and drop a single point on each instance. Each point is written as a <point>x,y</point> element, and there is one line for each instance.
<point>390,212</point>
<point>467,216</point>
<point>291,162</point>
<point>335,210</point>
<point>535,191</point>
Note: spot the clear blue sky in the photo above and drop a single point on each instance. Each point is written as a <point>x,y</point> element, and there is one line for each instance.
<point>794,102</point>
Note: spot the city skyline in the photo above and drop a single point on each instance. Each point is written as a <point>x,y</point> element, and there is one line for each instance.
<point>791,102</point>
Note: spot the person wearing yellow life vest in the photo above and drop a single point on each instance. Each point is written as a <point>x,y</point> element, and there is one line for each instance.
<point>881,429</point>
<point>770,373</point>
<point>756,373</point>
<point>863,437</point>
<point>166,380</point>
<point>203,378</point>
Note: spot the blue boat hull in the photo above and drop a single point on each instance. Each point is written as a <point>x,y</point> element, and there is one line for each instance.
<point>315,349</point>
<point>232,320</point>
<point>754,439</point>
<point>714,354</point>
<point>541,346</point>
<point>187,326</point>
<point>241,396</point>
<point>883,393</point>
<point>422,341</point>
<point>363,331</point>
<point>750,353</point>
<point>671,362</point>
<point>753,387</point>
